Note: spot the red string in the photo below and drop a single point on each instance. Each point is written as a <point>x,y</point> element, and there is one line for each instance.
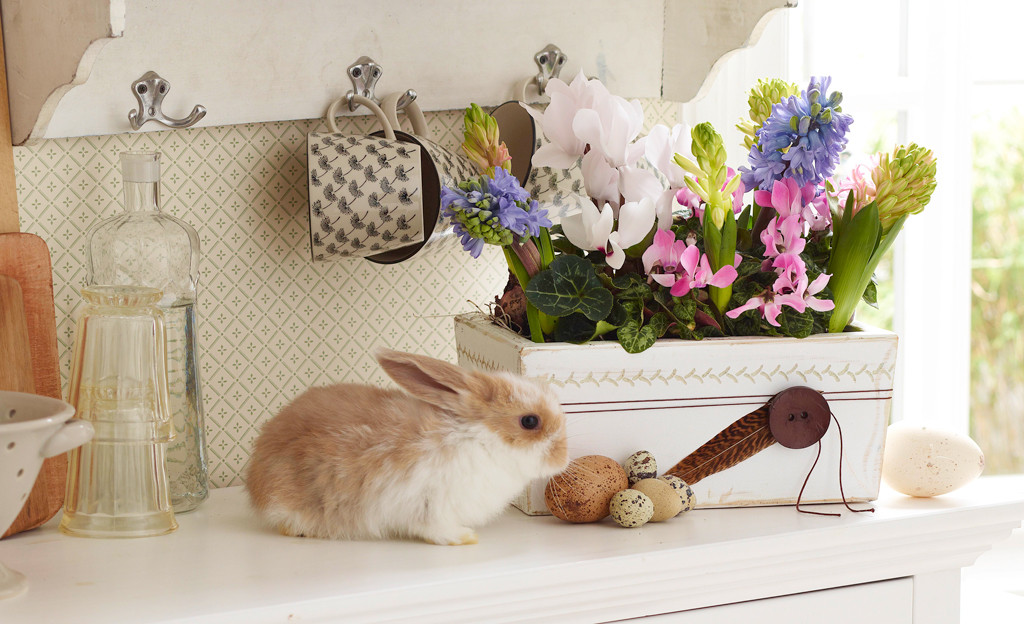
<point>801,495</point>
<point>841,492</point>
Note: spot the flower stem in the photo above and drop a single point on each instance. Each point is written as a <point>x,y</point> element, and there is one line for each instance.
<point>532,314</point>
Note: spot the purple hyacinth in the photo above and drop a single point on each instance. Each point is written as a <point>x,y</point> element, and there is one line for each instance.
<point>804,134</point>
<point>492,210</point>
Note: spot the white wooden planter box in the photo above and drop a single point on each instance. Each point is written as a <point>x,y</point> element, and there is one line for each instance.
<point>678,394</point>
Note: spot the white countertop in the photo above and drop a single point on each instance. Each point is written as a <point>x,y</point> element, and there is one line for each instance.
<point>222,566</point>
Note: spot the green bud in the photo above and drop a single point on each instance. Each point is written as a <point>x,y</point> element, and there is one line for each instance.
<point>904,182</point>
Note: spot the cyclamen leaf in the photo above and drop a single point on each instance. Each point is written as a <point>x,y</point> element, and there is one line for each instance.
<point>631,286</point>
<point>684,309</point>
<point>659,323</point>
<point>618,316</point>
<point>635,338</point>
<point>574,328</point>
<point>796,324</point>
<point>663,296</point>
<point>570,285</point>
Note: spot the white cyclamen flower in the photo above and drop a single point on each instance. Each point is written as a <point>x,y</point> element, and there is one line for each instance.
<point>592,230</point>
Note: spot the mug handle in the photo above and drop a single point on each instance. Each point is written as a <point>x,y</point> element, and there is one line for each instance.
<point>519,90</point>
<point>72,434</point>
<point>332,113</point>
<point>412,111</point>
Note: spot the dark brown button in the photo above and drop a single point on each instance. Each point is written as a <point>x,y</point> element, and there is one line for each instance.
<point>798,417</point>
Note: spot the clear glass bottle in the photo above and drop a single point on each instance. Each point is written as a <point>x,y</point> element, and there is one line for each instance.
<point>143,246</point>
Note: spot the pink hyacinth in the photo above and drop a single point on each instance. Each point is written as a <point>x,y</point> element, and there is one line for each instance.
<point>859,183</point>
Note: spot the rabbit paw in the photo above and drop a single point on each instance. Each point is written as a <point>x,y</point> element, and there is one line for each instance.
<point>451,536</point>
<point>288,532</point>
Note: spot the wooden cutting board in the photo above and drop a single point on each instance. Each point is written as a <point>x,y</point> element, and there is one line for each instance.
<point>26,258</point>
<point>15,351</point>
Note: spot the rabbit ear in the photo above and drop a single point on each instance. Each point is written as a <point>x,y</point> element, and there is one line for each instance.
<point>434,381</point>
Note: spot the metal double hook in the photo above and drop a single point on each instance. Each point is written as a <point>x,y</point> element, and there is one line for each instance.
<point>365,73</point>
<point>150,91</point>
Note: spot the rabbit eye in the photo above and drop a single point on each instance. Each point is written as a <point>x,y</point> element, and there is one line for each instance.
<point>530,421</point>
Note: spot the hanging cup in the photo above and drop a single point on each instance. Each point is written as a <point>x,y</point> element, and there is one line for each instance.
<point>559,191</point>
<point>440,167</point>
<point>365,195</point>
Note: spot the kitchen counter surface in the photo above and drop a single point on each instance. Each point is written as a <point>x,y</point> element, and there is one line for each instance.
<point>222,566</point>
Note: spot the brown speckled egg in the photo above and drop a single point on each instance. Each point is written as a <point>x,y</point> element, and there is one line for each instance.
<point>686,495</point>
<point>639,466</point>
<point>666,501</point>
<point>631,509</point>
<point>581,492</point>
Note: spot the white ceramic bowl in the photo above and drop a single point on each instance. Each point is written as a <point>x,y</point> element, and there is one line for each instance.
<point>32,428</point>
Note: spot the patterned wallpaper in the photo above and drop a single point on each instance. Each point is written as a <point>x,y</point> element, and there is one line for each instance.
<point>272,322</point>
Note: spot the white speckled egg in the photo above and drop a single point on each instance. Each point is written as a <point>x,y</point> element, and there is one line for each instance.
<point>686,495</point>
<point>640,466</point>
<point>631,509</point>
<point>924,461</point>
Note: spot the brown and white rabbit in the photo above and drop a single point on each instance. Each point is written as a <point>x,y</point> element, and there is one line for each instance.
<point>352,461</point>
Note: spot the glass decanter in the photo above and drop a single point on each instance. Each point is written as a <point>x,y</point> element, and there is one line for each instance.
<point>143,246</point>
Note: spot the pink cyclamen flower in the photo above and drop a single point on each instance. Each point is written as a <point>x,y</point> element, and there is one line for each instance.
<point>697,273</point>
<point>769,304</point>
<point>661,259</point>
<point>790,265</point>
<point>808,202</point>
<point>816,213</point>
<point>783,237</point>
<point>815,287</point>
<point>786,197</point>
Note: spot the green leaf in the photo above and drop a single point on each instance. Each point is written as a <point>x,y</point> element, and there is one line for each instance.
<point>631,286</point>
<point>707,331</point>
<point>712,242</point>
<point>574,328</point>
<point>618,316</point>
<point>663,296</point>
<point>570,285</point>
<point>725,255</point>
<point>659,323</point>
<point>635,338</point>
<point>851,261</point>
<point>748,266</point>
<point>871,295</point>
<point>634,310</point>
<point>796,324</point>
<point>684,308</point>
